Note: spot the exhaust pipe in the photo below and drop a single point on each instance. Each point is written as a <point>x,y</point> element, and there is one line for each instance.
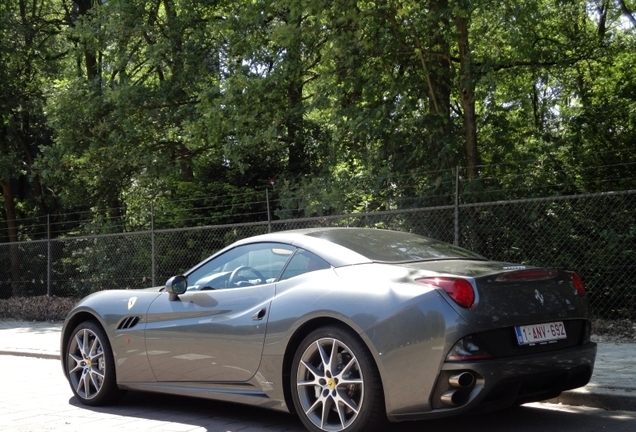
<point>454,397</point>
<point>462,380</point>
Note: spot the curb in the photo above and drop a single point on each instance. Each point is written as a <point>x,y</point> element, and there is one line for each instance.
<point>610,399</point>
<point>34,354</point>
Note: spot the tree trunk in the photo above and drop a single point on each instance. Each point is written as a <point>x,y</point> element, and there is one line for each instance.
<point>439,66</point>
<point>467,94</point>
<point>298,163</point>
<point>90,58</point>
<point>439,79</point>
<point>627,13</point>
<point>12,229</point>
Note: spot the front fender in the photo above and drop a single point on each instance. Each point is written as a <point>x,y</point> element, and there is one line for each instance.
<point>122,315</point>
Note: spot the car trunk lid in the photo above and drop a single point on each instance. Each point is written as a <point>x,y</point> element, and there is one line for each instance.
<point>512,295</point>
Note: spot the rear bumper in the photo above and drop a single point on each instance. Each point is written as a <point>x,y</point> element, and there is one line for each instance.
<point>504,382</point>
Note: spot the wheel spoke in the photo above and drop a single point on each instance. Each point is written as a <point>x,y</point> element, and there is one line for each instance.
<point>323,356</point>
<point>86,383</point>
<point>314,371</point>
<point>94,347</point>
<point>96,357</point>
<point>333,357</point>
<point>346,400</point>
<point>327,403</point>
<point>351,381</point>
<point>78,363</point>
<point>313,408</point>
<point>80,343</point>
<point>345,370</point>
<point>342,415</point>
<point>96,379</point>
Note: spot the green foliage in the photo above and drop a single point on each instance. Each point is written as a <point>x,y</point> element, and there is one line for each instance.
<point>89,265</point>
<point>192,107</point>
<point>29,50</point>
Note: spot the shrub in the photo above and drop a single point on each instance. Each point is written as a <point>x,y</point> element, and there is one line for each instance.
<point>39,308</point>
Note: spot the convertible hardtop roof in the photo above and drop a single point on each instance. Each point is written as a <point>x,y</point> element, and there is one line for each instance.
<point>347,246</point>
<point>316,240</point>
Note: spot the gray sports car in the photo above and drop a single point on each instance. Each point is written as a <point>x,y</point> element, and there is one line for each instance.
<point>347,327</point>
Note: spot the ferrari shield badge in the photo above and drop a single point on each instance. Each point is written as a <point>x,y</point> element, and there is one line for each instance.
<point>131,302</point>
<point>537,295</point>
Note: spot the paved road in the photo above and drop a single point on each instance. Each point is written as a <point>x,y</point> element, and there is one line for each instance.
<point>34,396</point>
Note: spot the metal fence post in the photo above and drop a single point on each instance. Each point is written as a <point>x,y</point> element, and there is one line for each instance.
<point>153,258</point>
<point>269,216</point>
<point>48,255</point>
<point>456,206</point>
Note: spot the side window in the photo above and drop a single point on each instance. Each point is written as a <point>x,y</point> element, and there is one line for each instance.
<point>246,265</point>
<point>304,262</point>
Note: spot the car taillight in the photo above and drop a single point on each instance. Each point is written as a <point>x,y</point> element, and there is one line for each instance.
<point>577,282</point>
<point>460,290</point>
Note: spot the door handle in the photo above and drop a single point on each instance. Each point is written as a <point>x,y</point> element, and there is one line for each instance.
<point>259,315</point>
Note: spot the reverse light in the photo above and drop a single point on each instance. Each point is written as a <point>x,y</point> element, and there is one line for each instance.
<point>460,290</point>
<point>468,348</point>
<point>577,282</point>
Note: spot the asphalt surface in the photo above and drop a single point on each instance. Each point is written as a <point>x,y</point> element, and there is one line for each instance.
<point>613,384</point>
<point>35,397</point>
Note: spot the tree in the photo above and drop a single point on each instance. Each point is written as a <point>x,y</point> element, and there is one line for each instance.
<point>349,105</point>
<point>29,52</point>
<point>138,125</point>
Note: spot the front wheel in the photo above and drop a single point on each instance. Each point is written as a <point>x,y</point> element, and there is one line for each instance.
<point>90,367</point>
<point>335,383</point>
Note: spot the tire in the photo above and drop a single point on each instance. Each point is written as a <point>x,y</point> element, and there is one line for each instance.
<point>89,366</point>
<point>335,383</point>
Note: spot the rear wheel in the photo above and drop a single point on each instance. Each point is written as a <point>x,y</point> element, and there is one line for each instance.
<point>335,383</point>
<point>90,367</point>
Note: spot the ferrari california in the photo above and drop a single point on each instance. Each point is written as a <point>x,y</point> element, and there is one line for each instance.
<point>346,327</point>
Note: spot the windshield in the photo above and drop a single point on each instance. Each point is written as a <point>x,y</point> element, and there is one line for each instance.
<point>393,246</point>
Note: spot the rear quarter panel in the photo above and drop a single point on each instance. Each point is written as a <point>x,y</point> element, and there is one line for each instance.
<point>408,327</point>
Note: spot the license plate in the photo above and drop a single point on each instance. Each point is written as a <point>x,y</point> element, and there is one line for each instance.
<point>540,333</point>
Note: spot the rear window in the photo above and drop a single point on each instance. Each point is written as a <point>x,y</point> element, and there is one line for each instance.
<point>393,246</point>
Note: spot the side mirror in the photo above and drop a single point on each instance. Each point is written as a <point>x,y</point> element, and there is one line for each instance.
<point>176,285</point>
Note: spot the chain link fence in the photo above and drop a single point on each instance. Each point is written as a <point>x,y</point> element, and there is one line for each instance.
<point>594,235</point>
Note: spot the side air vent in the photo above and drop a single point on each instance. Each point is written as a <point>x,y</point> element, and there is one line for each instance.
<point>128,322</point>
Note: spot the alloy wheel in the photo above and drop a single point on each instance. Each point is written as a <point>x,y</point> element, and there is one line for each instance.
<point>330,384</point>
<point>86,363</point>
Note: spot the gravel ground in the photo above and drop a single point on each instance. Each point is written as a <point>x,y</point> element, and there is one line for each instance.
<point>619,330</point>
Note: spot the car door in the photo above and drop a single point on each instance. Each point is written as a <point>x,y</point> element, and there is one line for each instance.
<point>215,331</point>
